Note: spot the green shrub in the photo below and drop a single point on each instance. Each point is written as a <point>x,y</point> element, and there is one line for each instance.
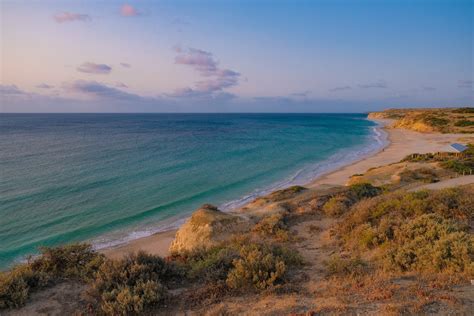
<point>337,205</point>
<point>336,265</point>
<point>78,262</point>
<point>364,190</point>
<point>260,266</point>
<point>425,175</point>
<point>464,110</point>
<point>431,243</point>
<point>210,264</point>
<point>273,226</point>
<point>464,123</point>
<point>132,284</point>
<point>435,121</point>
<point>340,203</point>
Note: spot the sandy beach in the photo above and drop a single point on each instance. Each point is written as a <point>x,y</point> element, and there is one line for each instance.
<point>402,142</point>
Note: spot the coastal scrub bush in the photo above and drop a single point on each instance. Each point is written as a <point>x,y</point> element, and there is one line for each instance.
<point>286,193</point>
<point>431,243</point>
<point>258,266</point>
<point>337,265</point>
<point>132,284</point>
<point>464,123</point>
<point>372,223</point>
<point>337,205</point>
<point>361,191</point>
<point>261,266</point>
<point>210,264</point>
<point>425,175</point>
<point>77,261</point>
<point>273,226</point>
<point>341,202</point>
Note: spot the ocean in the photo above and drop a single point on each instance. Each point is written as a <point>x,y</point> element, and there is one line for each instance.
<point>109,178</point>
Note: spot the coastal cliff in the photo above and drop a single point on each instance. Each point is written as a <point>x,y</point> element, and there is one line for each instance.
<point>443,120</point>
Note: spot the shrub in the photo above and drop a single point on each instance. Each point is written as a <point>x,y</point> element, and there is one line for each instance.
<point>210,264</point>
<point>131,284</point>
<point>364,190</point>
<point>340,203</point>
<point>435,121</point>
<point>273,226</point>
<point>422,174</point>
<point>431,243</point>
<point>464,123</point>
<point>336,265</point>
<point>260,266</point>
<point>78,261</point>
<point>464,110</point>
<point>337,205</point>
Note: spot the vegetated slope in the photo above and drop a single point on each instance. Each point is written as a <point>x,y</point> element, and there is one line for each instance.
<point>443,120</point>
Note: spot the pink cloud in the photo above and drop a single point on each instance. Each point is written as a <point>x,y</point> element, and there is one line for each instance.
<point>71,17</point>
<point>204,63</point>
<point>128,10</point>
<point>92,68</point>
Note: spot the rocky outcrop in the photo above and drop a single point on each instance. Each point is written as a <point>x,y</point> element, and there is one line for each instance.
<point>207,227</point>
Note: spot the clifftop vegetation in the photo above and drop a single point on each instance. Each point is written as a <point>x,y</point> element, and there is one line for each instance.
<point>444,120</point>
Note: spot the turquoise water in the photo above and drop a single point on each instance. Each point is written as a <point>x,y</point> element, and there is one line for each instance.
<point>108,178</point>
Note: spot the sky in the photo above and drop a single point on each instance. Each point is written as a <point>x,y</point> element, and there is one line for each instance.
<point>235,56</point>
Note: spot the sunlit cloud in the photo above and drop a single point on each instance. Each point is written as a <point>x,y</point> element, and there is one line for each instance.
<point>128,10</point>
<point>92,68</point>
<point>71,17</point>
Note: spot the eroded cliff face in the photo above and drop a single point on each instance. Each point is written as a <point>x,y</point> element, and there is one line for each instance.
<point>207,227</point>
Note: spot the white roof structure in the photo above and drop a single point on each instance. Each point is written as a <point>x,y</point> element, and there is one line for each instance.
<point>456,148</point>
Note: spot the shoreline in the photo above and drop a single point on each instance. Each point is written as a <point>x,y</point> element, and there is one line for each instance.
<point>399,143</point>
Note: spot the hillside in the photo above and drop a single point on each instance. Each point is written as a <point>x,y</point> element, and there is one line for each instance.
<point>444,120</point>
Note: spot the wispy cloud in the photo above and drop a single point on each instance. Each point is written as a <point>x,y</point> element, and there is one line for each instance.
<point>71,17</point>
<point>381,84</point>
<point>465,84</point>
<point>11,90</point>
<point>128,10</point>
<point>428,88</point>
<point>101,91</point>
<point>92,68</point>
<point>215,79</point>
<point>125,65</point>
<point>44,86</point>
<point>121,85</point>
<point>341,88</point>
<point>301,94</point>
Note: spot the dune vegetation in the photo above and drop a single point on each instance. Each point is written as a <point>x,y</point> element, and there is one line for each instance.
<point>443,120</point>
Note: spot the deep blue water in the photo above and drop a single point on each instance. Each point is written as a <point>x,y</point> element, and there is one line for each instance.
<point>111,177</point>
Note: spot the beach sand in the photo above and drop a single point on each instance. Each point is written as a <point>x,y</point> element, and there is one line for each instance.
<point>402,142</point>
